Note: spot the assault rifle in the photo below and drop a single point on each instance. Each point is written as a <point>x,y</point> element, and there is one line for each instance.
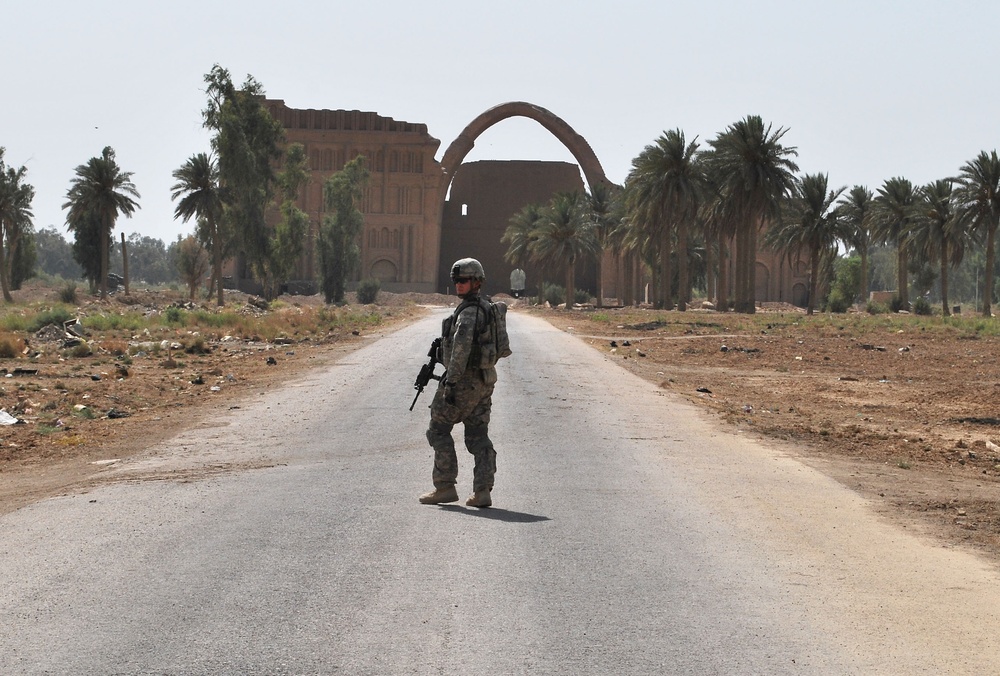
<point>426,374</point>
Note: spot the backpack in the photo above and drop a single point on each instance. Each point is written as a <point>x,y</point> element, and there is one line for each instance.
<point>493,341</point>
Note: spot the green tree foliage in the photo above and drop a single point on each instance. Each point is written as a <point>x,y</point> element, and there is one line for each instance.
<point>855,211</point>
<point>288,239</point>
<point>563,236</point>
<point>147,260</point>
<point>339,253</point>
<point>55,255</point>
<point>603,208</point>
<point>87,242</point>
<point>978,197</point>
<point>519,233</point>
<point>937,235</point>
<point>893,211</point>
<point>24,265</point>
<point>247,142</point>
<point>15,220</point>
<point>200,197</point>
<point>846,283</point>
<point>751,172</point>
<point>662,195</point>
<point>192,263</point>
<point>810,225</point>
<point>100,193</point>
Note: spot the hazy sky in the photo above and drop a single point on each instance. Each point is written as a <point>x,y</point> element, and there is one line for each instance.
<point>867,90</point>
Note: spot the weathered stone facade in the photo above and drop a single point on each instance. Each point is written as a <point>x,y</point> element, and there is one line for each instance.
<point>484,196</point>
<point>402,202</point>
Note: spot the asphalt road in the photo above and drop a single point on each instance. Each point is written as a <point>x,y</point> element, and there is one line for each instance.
<point>630,535</point>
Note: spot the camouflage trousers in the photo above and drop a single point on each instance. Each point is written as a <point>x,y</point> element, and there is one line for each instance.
<point>472,403</point>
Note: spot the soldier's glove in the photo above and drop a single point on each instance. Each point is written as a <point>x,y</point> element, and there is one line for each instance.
<point>449,393</point>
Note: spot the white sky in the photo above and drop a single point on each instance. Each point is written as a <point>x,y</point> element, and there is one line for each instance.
<point>868,90</point>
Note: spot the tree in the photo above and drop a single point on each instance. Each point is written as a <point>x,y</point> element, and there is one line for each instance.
<point>55,254</point>
<point>563,235</point>
<point>25,258</point>
<point>100,193</point>
<point>892,216</point>
<point>15,219</point>
<point>978,197</point>
<point>338,238</point>
<point>148,260</point>
<point>855,212</point>
<point>662,193</point>
<point>192,263</point>
<point>288,240</point>
<point>519,233</point>
<point>752,173</point>
<point>603,208</point>
<point>937,233</point>
<point>247,143</point>
<point>200,196</point>
<point>812,224</point>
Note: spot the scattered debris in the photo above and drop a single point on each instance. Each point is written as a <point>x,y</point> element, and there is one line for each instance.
<point>271,361</point>
<point>877,348</point>
<point>975,420</point>
<point>8,419</point>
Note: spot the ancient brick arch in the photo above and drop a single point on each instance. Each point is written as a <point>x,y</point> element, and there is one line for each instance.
<point>575,143</point>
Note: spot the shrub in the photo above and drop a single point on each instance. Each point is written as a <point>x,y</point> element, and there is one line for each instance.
<point>553,294</point>
<point>68,294</point>
<point>198,346</point>
<point>896,304</point>
<point>837,301</point>
<point>581,297</point>
<point>79,350</point>
<point>8,347</point>
<point>368,291</point>
<point>174,315</point>
<point>875,308</point>
<point>57,316</point>
<point>922,306</point>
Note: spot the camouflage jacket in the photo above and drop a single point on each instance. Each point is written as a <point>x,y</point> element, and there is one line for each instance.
<point>460,351</point>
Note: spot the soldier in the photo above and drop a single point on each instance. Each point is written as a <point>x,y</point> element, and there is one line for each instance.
<point>464,394</point>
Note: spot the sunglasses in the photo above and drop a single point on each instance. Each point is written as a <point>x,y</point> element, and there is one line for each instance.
<point>462,280</point>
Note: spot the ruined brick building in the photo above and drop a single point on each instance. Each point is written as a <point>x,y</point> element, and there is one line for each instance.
<point>412,233</point>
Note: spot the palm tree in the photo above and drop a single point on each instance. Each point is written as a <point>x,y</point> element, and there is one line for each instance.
<point>662,193</point>
<point>200,197</point>
<point>602,206</point>
<point>813,225</point>
<point>103,191</point>
<point>978,198</point>
<point>563,235</point>
<point>753,173</point>
<point>855,212</point>
<point>15,217</point>
<point>519,234</point>
<point>892,217</point>
<point>937,233</point>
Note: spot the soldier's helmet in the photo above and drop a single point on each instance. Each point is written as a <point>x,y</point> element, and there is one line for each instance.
<point>468,267</point>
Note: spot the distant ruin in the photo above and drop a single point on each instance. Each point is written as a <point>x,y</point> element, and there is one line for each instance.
<point>412,233</point>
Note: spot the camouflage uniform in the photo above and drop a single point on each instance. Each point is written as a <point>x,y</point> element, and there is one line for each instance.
<point>464,395</point>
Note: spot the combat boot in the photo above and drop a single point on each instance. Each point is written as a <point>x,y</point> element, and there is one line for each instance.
<point>479,499</point>
<point>439,495</point>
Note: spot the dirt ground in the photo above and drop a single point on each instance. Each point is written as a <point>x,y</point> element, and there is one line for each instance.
<point>903,410</point>
<point>905,415</point>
